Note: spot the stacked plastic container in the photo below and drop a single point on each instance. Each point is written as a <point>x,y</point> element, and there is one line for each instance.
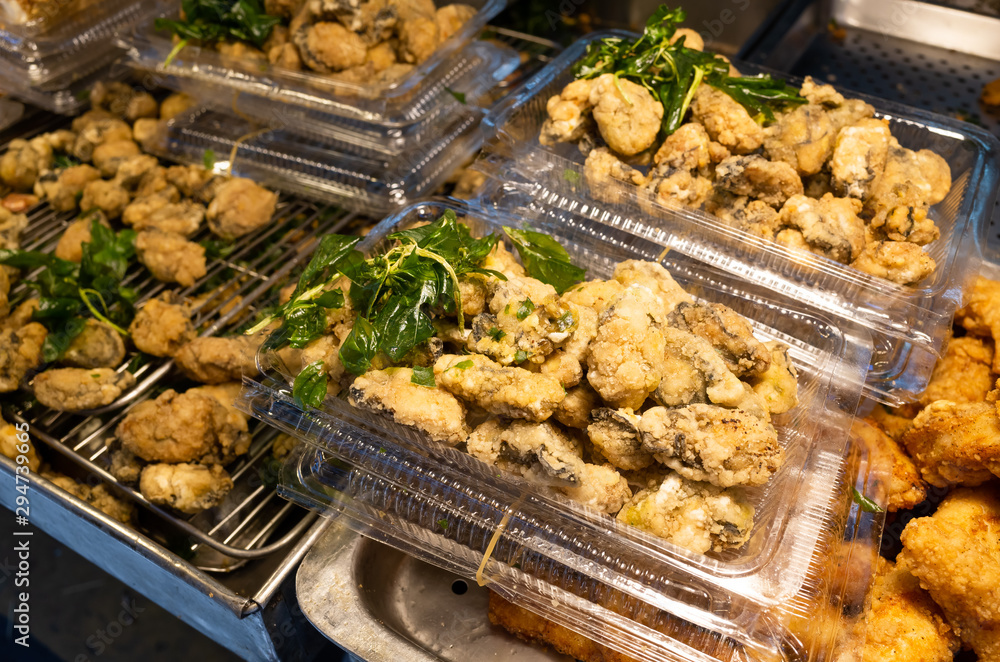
<point>371,147</point>
<point>908,323</point>
<point>51,56</point>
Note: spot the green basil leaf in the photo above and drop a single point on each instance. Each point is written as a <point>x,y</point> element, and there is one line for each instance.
<point>57,342</point>
<point>423,377</point>
<point>208,159</point>
<point>360,347</point>
<point>524,309</point>
<point>545,259</point>
<point>866,504</point>
<point>310,386</point>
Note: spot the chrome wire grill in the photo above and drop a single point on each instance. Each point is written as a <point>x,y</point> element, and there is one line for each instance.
<point>252,521</point>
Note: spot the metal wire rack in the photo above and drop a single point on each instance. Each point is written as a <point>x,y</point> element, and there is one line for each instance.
<point>252,522</point>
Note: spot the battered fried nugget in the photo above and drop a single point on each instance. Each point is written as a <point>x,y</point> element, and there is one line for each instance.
<point>955,443</point>
<point>97,133</point>
<point>161,328</point>
<point>170,257</point>
<point>891,422</point>
<point>771,182</point>
<point>615,434</point>
<point>23,161</point>
<point>239,207</point>
<point>725,120</point>
<point>627,115</point>
<point>158,212</point>
<point>903,623</point>
<point>802,137</point>
<point>830,226</point>
<point>569,114</point>
<point>574,410</point>
<point>725,447</point>
<point>63,188</point>
<point>605,173</point>
<point>505,391</point>
<point>98,496</point>
<point>672,187</point>
<point>697,516</point>
<point>20,351</point>
<point>778,386</point>
<point>217,360</point>
<point>538,451</point>
<point>656,278</point>
<point>963,373</point>
<point>694,372</point>
<point>595,294</point>
<point>687,148</point>
<point>626,358</point>
<point>184,427</point>
<point>106,196</point>
<point>600,487</point>
<point>981,315</point>
<point>433,411</point>
<point>109,156</point>
<point>77,389</point>
<point>905,488</point>
<point>729,333</point>
<point>189,488</point>
<point>955,554</point>
<point>859,157</point>
<point>897,261</point>
<point>99,345</point>
<point>566,363</point>
<point>77,233</point>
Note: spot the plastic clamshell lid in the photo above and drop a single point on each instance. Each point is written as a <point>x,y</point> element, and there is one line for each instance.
<point>417,95</point>
<point>909,322</point>
<point>569,562</point>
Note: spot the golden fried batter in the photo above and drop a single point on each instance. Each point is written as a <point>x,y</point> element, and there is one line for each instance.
<point>98,496</point>
<point>672,187</point>
<point>981,315</point>
<point>99,345</point>
<point>905,488</point>
<point>569,114</point>
<point>627,356</point>
<point>955,444</point>
<point>802,137</point>
<point>601,487</point>
<point>158,212</point>
<point>722,446</point>
<point>725,120</point>
<point>829,226</point>
<point>189,488</point>
<point>729,333</point>
<point>605,173</point>
<point>695,372</point>
<point>574,410</point>
<point>687,148</point>
<point>778,386</point>
<point>161,328</point>
<point>963,373</point>
<point>540,452</point>
<point>217,360</point>
<point>505,391</point>
<point>70,246</point>
<point>859,157</point>
<point>20,351</point>
<point>183,427</point>
<point>955,554</point>
<point>656,278</point>
<point>566,363</point>
<point>626,114</point>
<point>615,434</point>
<point>595,294</point>
<point>697,516</point>
<point>11,438</point>
<point>170,257</point>
<point>77,389</point>
<point>239,207</point>
<point>62,188</point>
<point>771,182</point>
<point>897,261</point>
<point>432,411</point>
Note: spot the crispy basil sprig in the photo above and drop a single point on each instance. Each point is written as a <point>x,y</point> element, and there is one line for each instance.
<point>672,72</point>
<point>216,20</point>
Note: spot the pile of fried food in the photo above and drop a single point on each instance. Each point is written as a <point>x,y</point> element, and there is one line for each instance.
<point>825,176</point>
<point>74,361</point>
<point>371,42</point>
<point>940,594</point>
<point>626,395</point>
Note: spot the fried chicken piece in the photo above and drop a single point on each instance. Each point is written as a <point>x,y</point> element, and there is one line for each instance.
<point>110,155</point>
<point>728,332</point>
<point>106,196</point>
<point>963,373</point>
<point>725,447</point>
<point>574,410</point>
<point>981,315</point>
<point>694,372</point>
<point>23,162</point>
<point>771,182</point>
<point>569,116</point>
<point>239,207</point>
<point>189,488</point>
<point>897,261</point>
<point>594,294</point>
<point>184,427</point>
<point>891,422</point>
<point>905,488</point>
<point>20,351</point>
<point>63,188</point>
<point>505,391</point>
<point>697,516</point>
<point>526,322</point>
<point>829,226</point>
<point>175,104</point>
<point>77,233</point>
<point>726,121</point>
<point>903,622</point>
<point>859,157</point>
<point>98,496</point>
<point>13,441</point>
<point>432,411</point>
<point>97,346</point>
<point>170,257</point>
<point>601,487</point>
<point>615,434</point>
<point>157,212</point>
<point>566,362</point>
<point>656,278</point>
<point>802,137</point>
<point>605,175</point>
<point>778,386</point>
<point>161,328</point>
<point>627,115</point>
<point>78,389</point>
<point>955,554</point>
<point>955,444</point>
<point>626,357</point>
<point>97,133</point>
<point>218,360</point>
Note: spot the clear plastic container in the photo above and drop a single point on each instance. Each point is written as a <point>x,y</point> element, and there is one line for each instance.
<point>388,112</point>
<point>625,589</point>
<point>66,96</point>
<point>318,169</point>
<point>79,39</point>
<point>909,322</point>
